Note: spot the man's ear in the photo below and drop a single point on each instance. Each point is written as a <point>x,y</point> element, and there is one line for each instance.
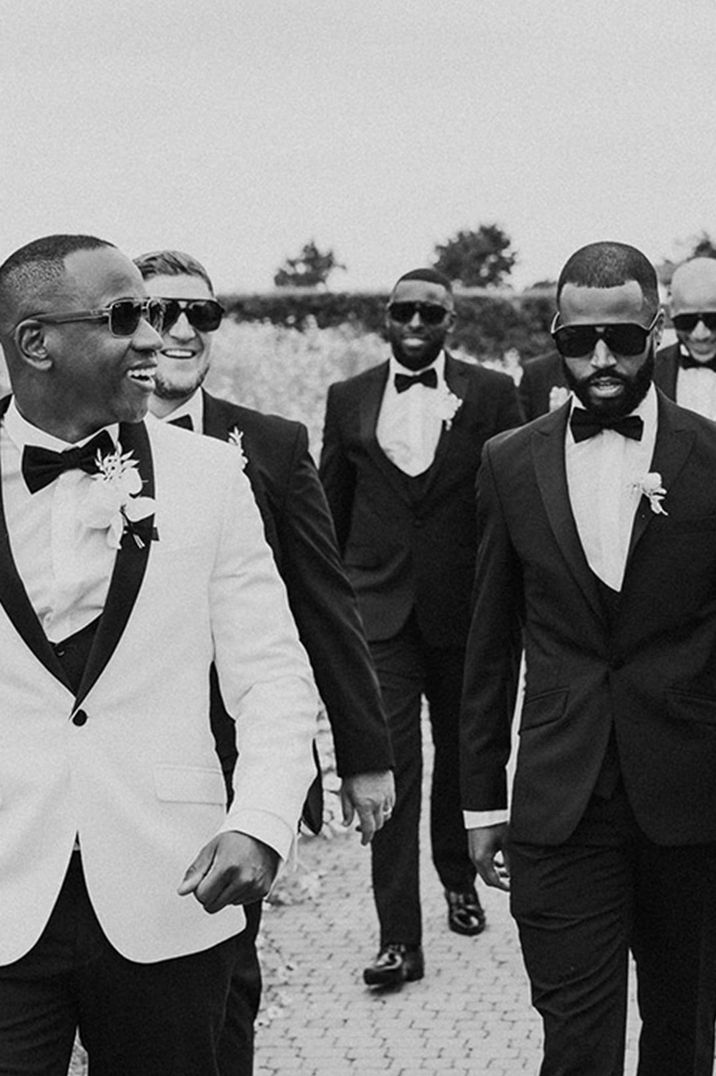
<point>659,328</point>
<point>30,339</point>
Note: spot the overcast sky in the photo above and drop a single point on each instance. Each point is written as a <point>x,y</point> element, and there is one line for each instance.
<point>238,129</point>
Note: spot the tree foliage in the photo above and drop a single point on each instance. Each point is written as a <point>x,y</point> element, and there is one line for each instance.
<point>704,246</point>
<point>311,269</point>
<point>476,258</point>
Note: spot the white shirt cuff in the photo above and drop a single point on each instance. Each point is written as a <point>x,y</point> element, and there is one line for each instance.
<point>480,819</point>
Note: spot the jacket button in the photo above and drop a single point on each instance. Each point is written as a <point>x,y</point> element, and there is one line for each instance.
<point>80,718</point>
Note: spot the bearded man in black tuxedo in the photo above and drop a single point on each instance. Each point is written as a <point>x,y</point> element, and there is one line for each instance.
<point>598,543</point>
<point>300,532</point>
<point>401,449</point>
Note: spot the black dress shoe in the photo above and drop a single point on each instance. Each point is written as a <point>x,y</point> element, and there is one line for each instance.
<point>465,913</point>
<point>395,964</point>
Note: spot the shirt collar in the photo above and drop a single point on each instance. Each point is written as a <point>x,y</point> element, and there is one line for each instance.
<point>396,367</point>
<point>21,432</point>
<point>193,408</point>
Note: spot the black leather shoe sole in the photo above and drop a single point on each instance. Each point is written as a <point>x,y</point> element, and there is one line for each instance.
<point>395,965</point>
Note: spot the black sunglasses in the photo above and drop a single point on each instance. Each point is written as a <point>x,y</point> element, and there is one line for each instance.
<point>686,323</point>
<point>203,314</point>
<point>430,313</point>
<point>123,316</point>
<point>622,338</point>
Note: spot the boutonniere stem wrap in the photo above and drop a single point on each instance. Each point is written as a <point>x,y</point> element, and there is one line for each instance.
<point>448,405</point>
<point>113,502</point>
<point>650,487</point>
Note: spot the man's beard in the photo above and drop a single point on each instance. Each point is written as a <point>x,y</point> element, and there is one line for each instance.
<point>635,389</point>
<point>172,390</point>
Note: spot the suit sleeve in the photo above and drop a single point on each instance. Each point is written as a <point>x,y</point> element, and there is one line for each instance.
<point>264,676</point>
<point>492,657</point>
<point>337,472</point>
<point>329,625</point>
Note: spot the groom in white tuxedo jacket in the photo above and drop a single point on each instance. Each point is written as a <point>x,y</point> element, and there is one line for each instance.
<point>131,557</point>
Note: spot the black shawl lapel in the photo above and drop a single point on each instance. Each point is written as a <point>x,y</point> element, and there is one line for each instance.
<point>369,409</point>
<point>455,379</point>
<point>547,443</point>
<point>217,417</point>
<point>15,601</point>
<point>673,445</point>
<point>129,566</point>
<point>666,370</point>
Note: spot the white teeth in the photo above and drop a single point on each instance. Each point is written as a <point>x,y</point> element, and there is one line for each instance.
<point>177,353</point>
<point>141,375</point>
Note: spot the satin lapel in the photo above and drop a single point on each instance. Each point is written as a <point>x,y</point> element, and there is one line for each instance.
<point>216,418</point>
<point>455,378</point>
<point>15,601</point>
<point>673,444</point>
<point>369,409</point>
<point>666,371</point>
<point>129,567</point>
<point>547,445</point>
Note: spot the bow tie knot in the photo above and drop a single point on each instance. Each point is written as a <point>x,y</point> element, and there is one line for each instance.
<point>688,362</point>
<point>429,378</point>
<point>41,466</point>
<point>586,424</point>
<point>184,422</point>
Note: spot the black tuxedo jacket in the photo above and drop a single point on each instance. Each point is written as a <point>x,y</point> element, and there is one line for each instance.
<point>539,376</point>
<point>666,370</point>
<point>409,544</point>
<point>651,675</point>
<point>300,532</point>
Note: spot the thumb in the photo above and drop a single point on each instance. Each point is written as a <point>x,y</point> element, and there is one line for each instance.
<point>197,870</point>
<point>347,807</point>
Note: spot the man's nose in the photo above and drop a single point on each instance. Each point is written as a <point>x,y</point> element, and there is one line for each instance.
<point>416,321</point>
<point>181,329</point>
<point>602,358</point>
<point>146,338</point>
<point>700,331</point>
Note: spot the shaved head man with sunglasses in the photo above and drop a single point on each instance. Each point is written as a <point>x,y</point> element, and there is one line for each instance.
<point>131,558</point>
<point>598,554</point>
<point>686,371</point>
<point>299,529</point>
<point>401,449</point>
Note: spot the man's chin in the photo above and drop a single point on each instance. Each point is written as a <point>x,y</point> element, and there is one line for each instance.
<point>179,389</point>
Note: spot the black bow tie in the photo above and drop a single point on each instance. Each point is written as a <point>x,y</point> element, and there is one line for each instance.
<point>184,422</point>
<point>585,424</point>
<point>40,466</point>
<point>688,363</point>
<point>429,378</point>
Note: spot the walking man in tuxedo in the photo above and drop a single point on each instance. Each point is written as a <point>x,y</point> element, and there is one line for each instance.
<point>401,449</point>
<point>597,527</point>
<point>300,531</point>
<point>686,370</point>
<point>130,558</point>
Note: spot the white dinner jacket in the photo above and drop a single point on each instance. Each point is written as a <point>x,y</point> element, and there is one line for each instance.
<point>139,781</point>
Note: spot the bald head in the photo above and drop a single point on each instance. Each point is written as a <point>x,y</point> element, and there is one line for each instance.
<point>693,293</point>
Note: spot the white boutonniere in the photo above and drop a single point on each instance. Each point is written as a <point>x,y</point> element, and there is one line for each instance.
<point>558,395</point>
<point>113,502</point>
<point>448,405</point>
<point>236,437</point>
<point>650,487</point>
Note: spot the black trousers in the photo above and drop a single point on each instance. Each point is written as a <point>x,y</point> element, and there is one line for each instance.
<point>581,907</point>
<point>236,1043</point>
<point>408,668</point>
<point>134,1019</point>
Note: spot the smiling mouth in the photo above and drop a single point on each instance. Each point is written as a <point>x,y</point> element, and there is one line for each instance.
<point>178,353</point>
<point>142,375</point>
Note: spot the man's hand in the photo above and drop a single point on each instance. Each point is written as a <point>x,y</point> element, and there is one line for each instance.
<point>487,852</point>
<point>372,797</point>
<point>232,868</point>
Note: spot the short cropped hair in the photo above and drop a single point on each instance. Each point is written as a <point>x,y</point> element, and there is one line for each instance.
<point>171,263</point>
<point>607,265</point>
<point>33,269</point>
<point>433,276</point>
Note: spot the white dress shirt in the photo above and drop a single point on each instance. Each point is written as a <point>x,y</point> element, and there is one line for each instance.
<point>64,565</point>
<point>192,408</point>
<point>603,473</point>
<point>696,389</point>
<point>410,423</point>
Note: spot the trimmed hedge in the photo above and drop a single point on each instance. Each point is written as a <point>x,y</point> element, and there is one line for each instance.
<point>488,323</point>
